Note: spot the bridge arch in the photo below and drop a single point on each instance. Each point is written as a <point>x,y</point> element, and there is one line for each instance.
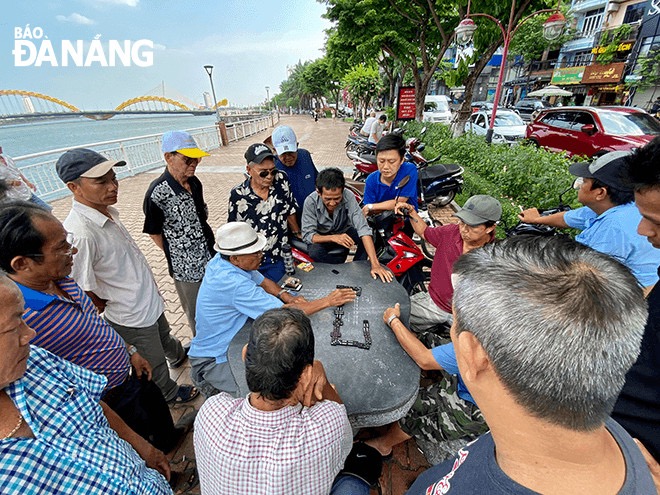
<point>141,99</point>
<point>41,96</point>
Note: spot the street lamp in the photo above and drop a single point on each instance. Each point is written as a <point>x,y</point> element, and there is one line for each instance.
<point>552,29</point>
<point>268,97</point>
<point>209,71</point>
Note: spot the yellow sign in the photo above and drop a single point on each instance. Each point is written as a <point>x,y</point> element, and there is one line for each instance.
<point>622,47</point>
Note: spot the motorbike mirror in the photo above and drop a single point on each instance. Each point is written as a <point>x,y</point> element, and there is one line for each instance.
<point>403,182</point>
<point>423,130</point>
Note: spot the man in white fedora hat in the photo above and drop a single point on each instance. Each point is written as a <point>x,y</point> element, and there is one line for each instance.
<point>232,291</point>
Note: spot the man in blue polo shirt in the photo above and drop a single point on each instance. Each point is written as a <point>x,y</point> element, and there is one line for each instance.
<point>608,220</point>
<point>297,163</point>
<point>232,291</point>
<point>382,190</point>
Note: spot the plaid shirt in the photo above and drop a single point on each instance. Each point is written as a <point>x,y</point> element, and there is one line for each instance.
<point>294,450</point>
<point>74,450</point>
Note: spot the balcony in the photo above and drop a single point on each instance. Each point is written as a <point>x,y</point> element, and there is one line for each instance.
<point>579,44</point>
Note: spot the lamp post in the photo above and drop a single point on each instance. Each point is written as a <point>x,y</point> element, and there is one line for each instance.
<point>209,71</point>
<point>552,29</point>
<point>268,97</point>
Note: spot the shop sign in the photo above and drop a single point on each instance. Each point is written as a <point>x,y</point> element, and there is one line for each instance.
<point>603,74</point>
<point>406,108</point>
<point>633,78</point>
<point>621,47</point>
<point>567,75</point>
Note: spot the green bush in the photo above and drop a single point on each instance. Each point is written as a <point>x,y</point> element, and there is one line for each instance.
<point>526,176</point>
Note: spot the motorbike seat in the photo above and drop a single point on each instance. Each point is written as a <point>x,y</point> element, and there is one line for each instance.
<point>437,171</point>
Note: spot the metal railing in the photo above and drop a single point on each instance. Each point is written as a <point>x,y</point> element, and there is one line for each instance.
<point>141,153</point>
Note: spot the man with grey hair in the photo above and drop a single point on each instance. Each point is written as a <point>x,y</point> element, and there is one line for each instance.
<point>564,324</point>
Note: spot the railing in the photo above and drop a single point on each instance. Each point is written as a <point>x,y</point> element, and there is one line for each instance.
<point>140,153</point>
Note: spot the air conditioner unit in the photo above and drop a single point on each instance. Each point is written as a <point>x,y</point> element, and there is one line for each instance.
<point>612,7</point>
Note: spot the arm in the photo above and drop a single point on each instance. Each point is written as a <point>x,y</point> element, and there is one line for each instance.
<point>140,365</point>
<point>98,302</point>
<point>418,224</point>
<point>335,298</point>
<point>158,240</point>
<point>532,215</point>
<point>292,222</point>
<point>410,343</point>
<point>283,295</point>
<point>153,457</point>
<point>388,205</point>
<point>341,239</point>
<point>377,270</point>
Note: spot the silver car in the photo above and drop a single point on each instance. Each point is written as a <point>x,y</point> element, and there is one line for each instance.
<point>509,127</point>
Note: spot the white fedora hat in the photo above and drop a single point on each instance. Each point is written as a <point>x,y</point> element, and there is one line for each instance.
<point>235,238</point>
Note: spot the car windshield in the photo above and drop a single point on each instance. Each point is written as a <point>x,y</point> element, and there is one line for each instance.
<point>508,120</point>
<point>436,106</point>
<point>630,124</point>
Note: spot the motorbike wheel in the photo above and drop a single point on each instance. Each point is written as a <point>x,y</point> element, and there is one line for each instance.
<point>359,176</point>
<point>445,199</point>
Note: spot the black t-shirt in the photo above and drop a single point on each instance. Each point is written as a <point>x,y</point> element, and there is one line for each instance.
<point>638,406</point>
<point>474,471</point>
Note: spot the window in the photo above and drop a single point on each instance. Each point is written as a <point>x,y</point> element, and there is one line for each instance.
<point>634,13</point>
<point>582,118</point>
<point>592,21</point>
<point>582,58</point>
<point>559,119</point>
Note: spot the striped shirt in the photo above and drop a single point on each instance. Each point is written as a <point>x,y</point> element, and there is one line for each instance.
<point>293,450</point>
<point>73,330</point>
<point>74,450</point>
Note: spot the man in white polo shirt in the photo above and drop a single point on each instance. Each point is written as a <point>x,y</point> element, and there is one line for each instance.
<point>112,270</point>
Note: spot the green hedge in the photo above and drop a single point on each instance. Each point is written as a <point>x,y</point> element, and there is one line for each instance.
<point>519,176</point>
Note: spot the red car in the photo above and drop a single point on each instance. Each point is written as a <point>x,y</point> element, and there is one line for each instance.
<point>592,131</point>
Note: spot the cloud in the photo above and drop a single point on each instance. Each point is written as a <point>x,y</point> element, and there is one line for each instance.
<point>76,18</point>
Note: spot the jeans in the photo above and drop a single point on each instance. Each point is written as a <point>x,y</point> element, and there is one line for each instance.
<point>349,485</point>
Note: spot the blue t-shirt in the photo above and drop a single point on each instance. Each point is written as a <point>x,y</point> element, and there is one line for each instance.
<point>614,232</point>
<point>302,176</point>
<point>377,192</point>
<point>445,356</point>
<point>227,297</point>
<point>474,471</point>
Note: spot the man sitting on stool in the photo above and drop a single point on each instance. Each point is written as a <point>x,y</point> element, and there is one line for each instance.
<point>332,219</point>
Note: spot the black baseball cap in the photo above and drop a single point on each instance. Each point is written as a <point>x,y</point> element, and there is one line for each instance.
<point>257,153</point>
<point>82,162</point>
<point>610,169</point>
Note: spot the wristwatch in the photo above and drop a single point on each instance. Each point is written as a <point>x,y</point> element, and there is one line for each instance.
<point>131,350</point>
<point>370,207</point>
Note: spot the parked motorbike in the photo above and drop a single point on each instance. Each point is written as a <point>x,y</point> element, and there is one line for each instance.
<point>540,230</point>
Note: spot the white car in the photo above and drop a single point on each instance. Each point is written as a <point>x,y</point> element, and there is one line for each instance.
<point>509,127</point>
<point>436,109</point>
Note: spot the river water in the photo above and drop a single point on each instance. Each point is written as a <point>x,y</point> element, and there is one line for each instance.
<point>35,137</point>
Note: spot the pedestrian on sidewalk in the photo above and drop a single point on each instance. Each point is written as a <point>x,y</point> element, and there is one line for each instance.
<point>112,270</point>
<point>176,218</point>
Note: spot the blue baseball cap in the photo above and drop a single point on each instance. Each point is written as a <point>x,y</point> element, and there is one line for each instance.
<point>284,140</point>
<point>181,142</point>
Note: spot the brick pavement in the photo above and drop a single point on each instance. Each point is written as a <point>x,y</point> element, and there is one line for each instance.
<point>219,173</point>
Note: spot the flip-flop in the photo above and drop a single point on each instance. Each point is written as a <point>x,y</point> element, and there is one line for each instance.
<point>185,394</point>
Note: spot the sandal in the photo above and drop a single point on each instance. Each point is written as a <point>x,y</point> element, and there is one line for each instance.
<point>185,394</point>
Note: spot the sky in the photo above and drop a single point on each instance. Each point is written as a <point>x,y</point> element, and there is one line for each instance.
<point>250,44</point>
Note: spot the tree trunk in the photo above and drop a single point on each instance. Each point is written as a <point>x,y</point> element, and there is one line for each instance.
<point>463,114</point>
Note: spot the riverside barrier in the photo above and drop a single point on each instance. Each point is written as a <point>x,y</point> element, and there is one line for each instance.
<point>141,153</point>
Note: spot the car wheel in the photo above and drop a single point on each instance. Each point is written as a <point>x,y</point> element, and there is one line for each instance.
<point>530,142</point>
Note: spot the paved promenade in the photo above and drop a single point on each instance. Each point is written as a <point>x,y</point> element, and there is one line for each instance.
<point>219,173</point>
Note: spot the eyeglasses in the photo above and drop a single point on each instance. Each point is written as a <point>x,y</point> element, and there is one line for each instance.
<point>188,160</point>
<point>265,173</point>
<point>68,251</point>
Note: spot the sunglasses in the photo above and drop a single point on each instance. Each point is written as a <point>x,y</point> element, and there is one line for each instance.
<point>187,160</point>
<point>265,173</point>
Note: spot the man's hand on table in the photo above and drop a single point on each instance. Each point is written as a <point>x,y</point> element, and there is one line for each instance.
<point>383,273</point>
<point>339,297</point>
<point>391,313</point>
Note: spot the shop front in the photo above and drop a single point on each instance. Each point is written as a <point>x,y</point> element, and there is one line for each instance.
<point>604,84</point>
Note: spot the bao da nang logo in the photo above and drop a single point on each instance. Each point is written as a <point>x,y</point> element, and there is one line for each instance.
<point>33,48</point>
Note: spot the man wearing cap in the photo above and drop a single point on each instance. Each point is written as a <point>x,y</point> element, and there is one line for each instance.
<point>297,163</point>
<point>176,218</point>
<point>112,270</point>
<point>233,291</point>
<point>608,220</point>
<point>475,228</point>
<point>266,202</point>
